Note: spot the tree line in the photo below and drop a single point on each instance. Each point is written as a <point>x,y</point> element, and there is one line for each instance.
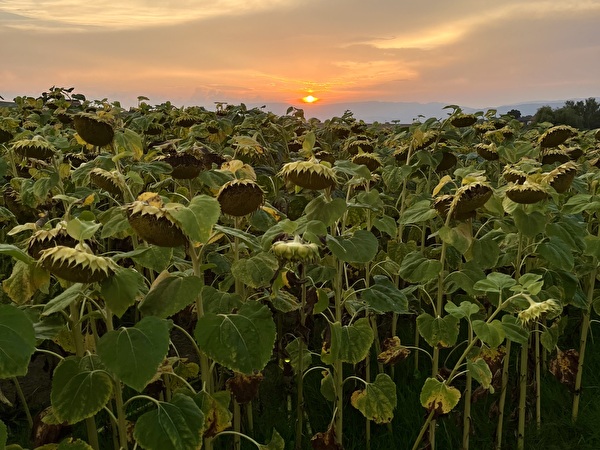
<point>584,115</point>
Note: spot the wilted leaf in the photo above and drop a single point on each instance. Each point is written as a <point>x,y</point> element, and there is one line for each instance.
<point>24,281</point>
<point>276,442</point>
<point>392,351</point>
<point>378,400</point>
<point>436,396</point>
<point>480,371</point>
<point>438,331</point>
<point>351,343</point>
<point>244,388</point>
<point>216,411</point>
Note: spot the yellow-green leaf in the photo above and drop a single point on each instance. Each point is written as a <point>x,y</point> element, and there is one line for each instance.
<point>437,396</point>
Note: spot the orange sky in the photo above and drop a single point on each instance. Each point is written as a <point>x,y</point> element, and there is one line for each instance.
<point>471,53</point>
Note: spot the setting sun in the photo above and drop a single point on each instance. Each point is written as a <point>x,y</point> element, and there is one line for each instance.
<point>309,99</point>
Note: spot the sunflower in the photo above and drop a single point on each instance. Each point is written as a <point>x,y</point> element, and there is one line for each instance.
<point>557,135</point>
<point>463,120</point>
<point>152,222</point>
<point>240,197</point>
<point>77,264</point>
<point>109,181</point>
<point>527,193</point>
<point>309,174</point>
<point>488,151</point>
<point>36,147</point>
<point>561,177</point>
<point>94,128</point>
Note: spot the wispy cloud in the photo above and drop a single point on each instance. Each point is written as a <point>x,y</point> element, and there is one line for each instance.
<point>48,15</point>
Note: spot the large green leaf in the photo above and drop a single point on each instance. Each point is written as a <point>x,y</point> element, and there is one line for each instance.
<point>80,388</point>
<point>466,309</point>
<point>495,282</point>
<point>437,396</point>
<point>485,252</point>
<point>438,331</point>
<point>418,213</point>
<point>219,302</point>
<point>81,230</point>
<point>121,290</point>
<point>242,342</point>
<point>175,425</point>
<point>15,252</point>
<point>351,343</point>
<point>256,271</point>
<point>326,211</point>
<point>17,341</point>
<point>128,141</point>
<point>198,218</point>
<point>64,299</point>
<point>152,257</point>
<point>529,224</point>
<point>458,237</point>
<point>361,247</point>
<point>275,443</point>
<point>384,296</point>
<point>415,268</point>
<point>463,279</point>
<point>514,330</point>
<point>24,281</point>
<point>491,333</point>
<point>378,400</point>
<point>298,352</point>
<point>557,253</point>
<point>170,295</point>
<point>135,353</point>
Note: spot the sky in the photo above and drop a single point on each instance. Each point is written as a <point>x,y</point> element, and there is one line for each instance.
<point>197,52</point>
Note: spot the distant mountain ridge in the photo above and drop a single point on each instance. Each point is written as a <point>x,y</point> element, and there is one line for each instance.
<point>404,112</point>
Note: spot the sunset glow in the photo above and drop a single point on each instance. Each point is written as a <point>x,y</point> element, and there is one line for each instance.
<point>309,99</point>
<point>198,52</point>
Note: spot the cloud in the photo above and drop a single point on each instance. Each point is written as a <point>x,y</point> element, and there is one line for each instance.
<point>51,15</point>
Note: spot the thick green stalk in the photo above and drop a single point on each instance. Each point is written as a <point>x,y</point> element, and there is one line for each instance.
<point>585,327</point>
<point>538,377</point>
<point>90,422</point>
<point>300,372</point>
<point>467,399</point>
<point>502,400</point>
<point>204,360</point>
<point>338,366</point>
<point>23,401</point>
<point>522,396</point>
<point>121,415</point>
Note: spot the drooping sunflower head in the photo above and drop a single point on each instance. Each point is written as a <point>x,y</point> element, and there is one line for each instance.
<point>77,264</point>
<point>355,144</point>
<point>488,151</point>
<point>551,308</point>
<point>296,250</point>
<point>554,155</point>
<point>36,147</point>
<point>309,174</point>
<point>561,177</point>
<point>527,193</point>
<point>44,239</point>
<point>152,222</point>
<point>463,120</point>
<point>95,129</point>
<point>448,161</point>
<point>513,174</point>
<point>371,160</point>
<point>557,135</point>
<point>471,196</point>
<point>240,197</point>
<point>109,181</point>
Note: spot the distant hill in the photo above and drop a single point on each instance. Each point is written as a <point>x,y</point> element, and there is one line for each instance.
<point>405,112</point>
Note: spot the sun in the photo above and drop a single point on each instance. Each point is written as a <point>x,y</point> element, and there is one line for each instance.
<point>309,99</point>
